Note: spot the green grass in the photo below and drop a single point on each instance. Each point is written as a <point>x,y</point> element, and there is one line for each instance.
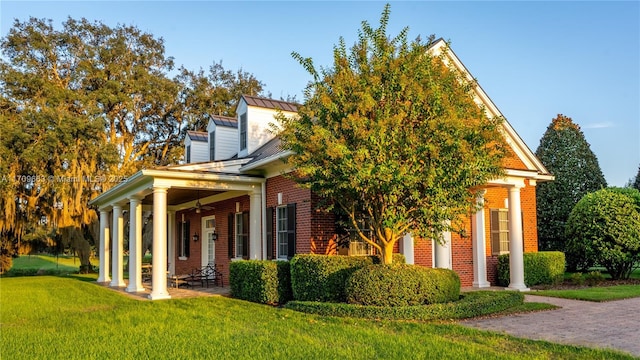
<point>63,318</point>
<point>48,262</point>
<point>596,293</point>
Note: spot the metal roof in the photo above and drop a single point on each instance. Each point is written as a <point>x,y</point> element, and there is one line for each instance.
<point>270,103</point>
<point>227,121</point>
<point>198,136</point>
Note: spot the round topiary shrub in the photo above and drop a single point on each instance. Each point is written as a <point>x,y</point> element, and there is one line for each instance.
<point>402,285</point>
<point>604,228</point>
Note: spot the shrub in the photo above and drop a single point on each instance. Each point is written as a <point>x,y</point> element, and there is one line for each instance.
<point>540,268</point>
<point>261,281</point>
<point>323,277</point>
<point>576,278</point>
<point>594,278</point>
<point>402,285</point>
<point>472,304</point>
<point>396,259</point>
<point>604,228</point>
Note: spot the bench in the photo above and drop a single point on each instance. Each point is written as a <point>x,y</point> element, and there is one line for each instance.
<point>205,276</point>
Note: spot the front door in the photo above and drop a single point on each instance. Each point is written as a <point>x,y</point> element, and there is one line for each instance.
<point>209,240</point>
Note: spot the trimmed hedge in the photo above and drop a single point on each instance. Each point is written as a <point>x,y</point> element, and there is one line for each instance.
<point>396,259</point>
<point>402,285</point>
<point>540,268</point>
<point>261,281</point>
<point>472,304</point>
<point>35,272</point>
<point>323,277</point>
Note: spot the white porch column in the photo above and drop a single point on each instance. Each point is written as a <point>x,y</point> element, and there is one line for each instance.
<point>443,252</point>
<point>135,245</point>
<point>406,248</point>
<point>159,271</point>
<point>516,261</point>
<point>103,271</point>
<point>118,239</point>
<point>255,227</point>
<point>171,240</point>
<point>479,247</point>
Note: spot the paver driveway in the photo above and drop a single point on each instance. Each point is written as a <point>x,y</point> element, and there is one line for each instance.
<point>613,324</point>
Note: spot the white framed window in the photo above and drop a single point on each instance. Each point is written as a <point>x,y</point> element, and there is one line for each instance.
<point>282,232</point>
<point>243,131</point>
<point>242,235</point>
<point>499,231</point>
<point>209,239</point>
<point>184,248</point>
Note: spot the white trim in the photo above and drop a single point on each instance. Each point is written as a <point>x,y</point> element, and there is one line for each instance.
<point>204,246</point>
<point>277,208</point>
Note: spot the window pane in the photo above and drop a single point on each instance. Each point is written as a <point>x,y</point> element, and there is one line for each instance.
<point>282,232</point>
<point>238,235</point>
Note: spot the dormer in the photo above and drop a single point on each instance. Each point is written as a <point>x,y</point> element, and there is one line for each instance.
<point>196,147</point>
<point>254,116</point>
<point>223,137</point>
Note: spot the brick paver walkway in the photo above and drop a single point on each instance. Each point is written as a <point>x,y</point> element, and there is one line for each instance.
<point>614,324</point>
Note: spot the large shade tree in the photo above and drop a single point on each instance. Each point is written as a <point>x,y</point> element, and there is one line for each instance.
<point>391,133</point>
<point>565,152</point>
<point>82,107</point>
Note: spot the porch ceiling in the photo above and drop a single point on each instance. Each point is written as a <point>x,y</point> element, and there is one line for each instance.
<point>177,196</point>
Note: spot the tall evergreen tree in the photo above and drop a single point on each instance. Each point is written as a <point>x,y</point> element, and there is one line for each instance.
<point>636,182</point>
<point>565,152</point>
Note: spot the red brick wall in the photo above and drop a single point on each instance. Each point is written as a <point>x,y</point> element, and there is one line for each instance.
<point>221,211</point>
<point>291,194</point>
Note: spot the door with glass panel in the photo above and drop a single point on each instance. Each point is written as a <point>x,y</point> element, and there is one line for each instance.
<point>209,237</point>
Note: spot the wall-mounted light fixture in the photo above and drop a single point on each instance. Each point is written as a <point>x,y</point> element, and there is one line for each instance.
<point>196,237</point>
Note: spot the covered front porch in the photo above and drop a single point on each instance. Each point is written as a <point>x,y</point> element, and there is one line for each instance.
<point>166,192</point>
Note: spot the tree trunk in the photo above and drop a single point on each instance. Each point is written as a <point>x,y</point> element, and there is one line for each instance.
<point>387,253</point>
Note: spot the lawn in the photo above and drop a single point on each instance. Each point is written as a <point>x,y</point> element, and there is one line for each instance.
<point>49,262</point>
<point>56,317</point>
<point>596,293</point>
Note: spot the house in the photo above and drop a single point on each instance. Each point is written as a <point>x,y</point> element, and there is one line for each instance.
<point>230,200</point>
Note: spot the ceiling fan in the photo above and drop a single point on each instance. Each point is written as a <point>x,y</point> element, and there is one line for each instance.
<point>199,207</point>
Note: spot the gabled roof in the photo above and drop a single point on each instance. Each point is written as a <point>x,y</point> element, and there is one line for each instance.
<point>226,121</point>
<point>514,140</point>
<point>270,103</point>
<point>198,136</point>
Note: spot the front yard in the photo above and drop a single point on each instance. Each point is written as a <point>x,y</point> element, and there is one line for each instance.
<point>56,317</point>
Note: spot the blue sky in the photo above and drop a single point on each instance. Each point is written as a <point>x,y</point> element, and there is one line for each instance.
<point>534,59</point>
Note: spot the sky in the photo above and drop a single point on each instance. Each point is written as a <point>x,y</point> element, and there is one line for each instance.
<point>534,59</point>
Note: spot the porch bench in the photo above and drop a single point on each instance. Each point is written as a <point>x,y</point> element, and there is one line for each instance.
<point>205,276</point>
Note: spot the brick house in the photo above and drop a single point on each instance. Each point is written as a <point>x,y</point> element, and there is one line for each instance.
<point>230,201</point>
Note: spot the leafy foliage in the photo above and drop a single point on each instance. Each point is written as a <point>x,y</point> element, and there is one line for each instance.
<point>261,281</point>
<point>392,133</point>
<point>565,152</point>
<point>604,228</point>
<point>402,285</point>
<point>81,108</point>
<point>472,304</point>
<point>544,267</point>
<point>322,277</point>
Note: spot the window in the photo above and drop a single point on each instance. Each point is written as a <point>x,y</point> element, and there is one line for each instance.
<point>212,146</point>
<point>187,156</point>
<point>350,240</point>
<point>243,131</point>
<point>183,250</point>
<point>281,229</point>
<point>209,231</point>
<point>500,231</point>
<point>242,235</point>
<point>285,232</point>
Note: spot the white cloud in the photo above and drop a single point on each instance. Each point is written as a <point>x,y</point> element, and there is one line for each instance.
<point>599,125</point>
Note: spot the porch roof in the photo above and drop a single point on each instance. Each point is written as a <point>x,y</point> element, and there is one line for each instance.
<point>183,185</point>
